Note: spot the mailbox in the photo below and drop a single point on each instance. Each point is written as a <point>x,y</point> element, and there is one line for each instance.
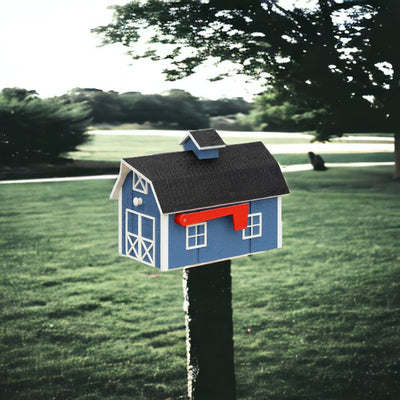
<point>208,203</point>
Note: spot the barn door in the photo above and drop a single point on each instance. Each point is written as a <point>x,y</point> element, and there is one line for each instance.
<point>140,237</point>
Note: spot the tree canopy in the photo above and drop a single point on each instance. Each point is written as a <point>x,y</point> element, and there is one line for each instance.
<point>34,129</point>
<point>173,109</point>
<point>335,56</point>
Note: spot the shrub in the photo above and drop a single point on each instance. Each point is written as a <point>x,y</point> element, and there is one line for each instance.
<point>34,129</point>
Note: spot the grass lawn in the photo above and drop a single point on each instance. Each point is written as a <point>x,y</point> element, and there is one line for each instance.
<point>115,147</point>
<point>318,319</point>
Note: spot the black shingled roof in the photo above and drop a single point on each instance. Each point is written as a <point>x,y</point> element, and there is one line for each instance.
<point>206,138</point>
<point>182,182</point>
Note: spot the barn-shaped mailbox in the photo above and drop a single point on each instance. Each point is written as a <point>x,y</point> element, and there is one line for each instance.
<point>208,203</point>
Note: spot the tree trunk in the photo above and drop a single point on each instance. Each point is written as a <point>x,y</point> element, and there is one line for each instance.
<point>209,331</point>
<point>396,174</point>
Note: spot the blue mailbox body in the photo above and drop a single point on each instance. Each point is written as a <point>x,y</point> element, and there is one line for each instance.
<point>208,175</point>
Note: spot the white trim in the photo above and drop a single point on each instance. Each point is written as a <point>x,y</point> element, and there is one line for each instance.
<point>224,204</point>
<point>146,247</point>
<point>251,226</point>
<point>156,197</point>
<point>164,242</point>
<point>120,222</point>
<point>124,171</point>
<point>139,183</point>
<point>279,222</point>
<point>189,135</point>
<point>183,139</point>
<point>196,236</point>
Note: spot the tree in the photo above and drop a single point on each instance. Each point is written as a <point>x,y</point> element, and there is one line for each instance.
<point>376,41</point>
<point>224,106</point>
<point>335,56</point>
<point>273,112</point>
<point>34,129</point>
<point>105,106</point>
<point>175,109</point>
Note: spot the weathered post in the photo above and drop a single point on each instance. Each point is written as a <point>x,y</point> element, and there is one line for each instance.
<point>209,331</point>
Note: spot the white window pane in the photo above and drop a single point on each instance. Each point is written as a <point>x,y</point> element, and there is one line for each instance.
<point>196,236</point>
<point>253,227</point>
<point>200,229</point>
<point>191,230</point>
<point>192,242</point>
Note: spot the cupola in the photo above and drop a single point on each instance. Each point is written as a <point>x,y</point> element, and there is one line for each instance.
<point>205,143</point>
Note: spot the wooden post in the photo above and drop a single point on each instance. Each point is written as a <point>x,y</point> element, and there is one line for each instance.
<point>209,331</point>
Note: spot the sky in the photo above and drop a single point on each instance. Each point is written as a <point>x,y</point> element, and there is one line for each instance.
<point>47,46</point>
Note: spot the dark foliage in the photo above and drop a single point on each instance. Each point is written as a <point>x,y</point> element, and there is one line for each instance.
<point>173,109</point>
<point>176,109</point>
<point>34,129</point>
<point>219,107</point>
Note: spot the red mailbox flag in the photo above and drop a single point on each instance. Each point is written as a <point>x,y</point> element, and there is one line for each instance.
<point>239,214</point>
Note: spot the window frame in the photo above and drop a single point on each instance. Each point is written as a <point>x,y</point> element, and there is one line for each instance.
<point>251,225</point>
<point>196,235</point>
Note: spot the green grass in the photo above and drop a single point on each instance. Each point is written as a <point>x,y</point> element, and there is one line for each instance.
<point>115,147</point>
<point>290,159</point>
<point>318,319</point>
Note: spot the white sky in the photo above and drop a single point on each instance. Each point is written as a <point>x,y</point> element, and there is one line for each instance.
<point>47,46</point>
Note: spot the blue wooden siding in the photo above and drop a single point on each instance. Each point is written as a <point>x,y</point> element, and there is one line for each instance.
<point>148,208</point>
<point>222,240</point>
<point>178,256</point>
<point>269,238</point>
<point>201,154</point>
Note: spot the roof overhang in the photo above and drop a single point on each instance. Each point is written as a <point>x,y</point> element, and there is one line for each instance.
<point>124,170</point>
<point>190,136</point>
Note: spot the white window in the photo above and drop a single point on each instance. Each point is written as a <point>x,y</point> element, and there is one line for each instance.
<point>254,226</point>
<point>139,184</point>
<point>196,236</point>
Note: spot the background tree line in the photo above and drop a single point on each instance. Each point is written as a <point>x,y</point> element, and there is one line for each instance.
<point>178,109</point>
<point>173,109</point>
<point>33,129</point>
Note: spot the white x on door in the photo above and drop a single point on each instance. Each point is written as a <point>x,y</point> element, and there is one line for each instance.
<point>140,237</point>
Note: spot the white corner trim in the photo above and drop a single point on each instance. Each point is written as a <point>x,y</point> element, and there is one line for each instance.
<point>189,135</point>
<point>124,170</point>
<point>279,222</point>
<point>120,233</point>
<point>164,241</point>
<point>183,140</point>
